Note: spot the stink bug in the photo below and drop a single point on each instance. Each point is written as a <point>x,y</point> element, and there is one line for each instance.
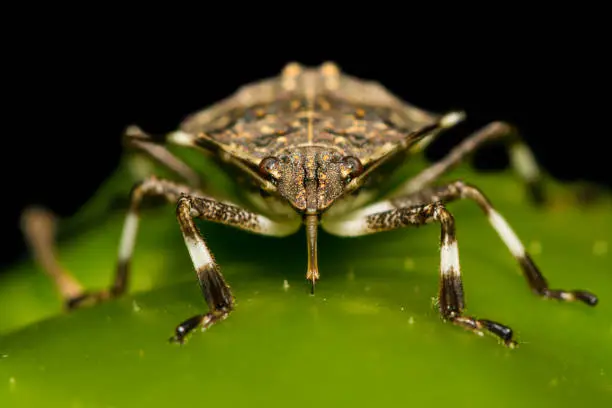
<point>307,145</point>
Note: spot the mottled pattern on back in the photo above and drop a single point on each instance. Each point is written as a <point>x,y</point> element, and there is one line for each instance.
<point>308,106</point>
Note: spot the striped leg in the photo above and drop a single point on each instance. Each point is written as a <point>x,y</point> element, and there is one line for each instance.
<point>451,302</point>
<point>521,159</point>
<point>214,288</point>
<point>461,190</point>
<point>38,225</point>
<point>149,187</point>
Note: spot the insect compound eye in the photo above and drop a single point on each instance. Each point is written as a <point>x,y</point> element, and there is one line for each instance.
<point>351,168</point>
<point>270,168</point>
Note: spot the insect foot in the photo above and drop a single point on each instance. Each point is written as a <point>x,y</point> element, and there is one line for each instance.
<point>451,305</point>
<point>205,321</point>
<point>86,299</point>
<point>479,326</point>
<point>539,285</point>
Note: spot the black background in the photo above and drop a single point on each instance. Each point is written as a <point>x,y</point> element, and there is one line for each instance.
<point>73,90</point>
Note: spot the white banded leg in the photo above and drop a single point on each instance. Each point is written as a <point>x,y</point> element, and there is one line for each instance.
<point>151,186</point>
<point>460,190</point>
<point>38,226</point>
<point>537,282</point>
<point>521,158</point>
<point>451,298</point>
<point>215,290</point>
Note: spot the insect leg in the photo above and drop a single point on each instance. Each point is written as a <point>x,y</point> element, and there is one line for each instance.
<point>447,121</point>
<point>520,155</point>
<point>214,288</point>
<point>460,190</point>
<point>383,217</point>
<point>136,138</point>
<point>151,186</point>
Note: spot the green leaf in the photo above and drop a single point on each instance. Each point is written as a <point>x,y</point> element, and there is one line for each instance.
<point>371,335</point>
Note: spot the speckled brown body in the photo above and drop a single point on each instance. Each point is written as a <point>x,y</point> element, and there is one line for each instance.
<point>321,125</point>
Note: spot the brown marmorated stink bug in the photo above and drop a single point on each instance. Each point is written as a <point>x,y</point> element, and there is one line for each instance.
<point>308,144</point>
